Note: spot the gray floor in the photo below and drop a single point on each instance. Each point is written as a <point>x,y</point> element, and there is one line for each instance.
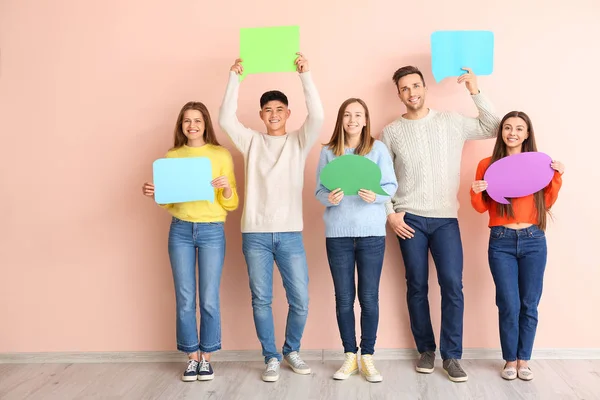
<point>554,379</point>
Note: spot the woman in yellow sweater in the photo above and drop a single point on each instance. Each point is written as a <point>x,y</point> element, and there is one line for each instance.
<point>197,233</point>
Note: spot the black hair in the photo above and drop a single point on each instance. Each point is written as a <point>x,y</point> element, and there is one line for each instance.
<point>273,95</point>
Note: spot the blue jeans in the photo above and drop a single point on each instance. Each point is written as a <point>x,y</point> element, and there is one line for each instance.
<point>441,236</point>
<point>286,249</point>
<point>517,260</point>
<point>206,242</point>
<point>366,254</point>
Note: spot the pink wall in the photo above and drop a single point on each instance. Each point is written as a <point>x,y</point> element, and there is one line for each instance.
<point>88,97</point>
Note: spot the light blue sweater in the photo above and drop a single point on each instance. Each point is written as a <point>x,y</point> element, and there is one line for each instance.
<point>354,217</point>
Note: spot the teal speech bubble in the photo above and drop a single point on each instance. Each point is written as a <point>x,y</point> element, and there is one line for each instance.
<point>350,173</point>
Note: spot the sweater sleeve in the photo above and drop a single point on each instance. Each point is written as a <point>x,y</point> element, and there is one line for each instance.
<point>389,183</point>
<point>551,191</point>
<point>477,200</point>
<point>485,126</point>
<point>321,192</point>
<point>232,202</point>
<point>311,128</point>
<point>385,139</point>
<point>238,133</point>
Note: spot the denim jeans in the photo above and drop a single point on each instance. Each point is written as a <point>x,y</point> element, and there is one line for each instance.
<point>366,255</point>
<point>517,260</point>
<point>286,249</point>
<point>205,242</point>
<point>441,236</point>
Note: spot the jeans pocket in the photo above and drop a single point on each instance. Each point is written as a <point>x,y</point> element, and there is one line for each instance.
<point>496,232</point>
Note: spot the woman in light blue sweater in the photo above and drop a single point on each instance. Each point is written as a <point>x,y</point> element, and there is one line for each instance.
<point>355,236</point>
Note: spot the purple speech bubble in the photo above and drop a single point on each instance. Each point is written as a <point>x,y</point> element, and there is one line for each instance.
<point>518,175</point>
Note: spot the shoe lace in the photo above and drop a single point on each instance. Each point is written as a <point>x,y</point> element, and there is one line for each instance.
<point>368,363</point>
<point>192,365</point>
<point>296,360</point>
<point>428,357</point>
<point>272,366</point>
<point>348,364</point>
<point>204,366</point>
<point>455,365</point>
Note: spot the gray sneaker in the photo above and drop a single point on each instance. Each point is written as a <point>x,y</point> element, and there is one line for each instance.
<point>455,371</point>
<point>425,364</point>
<point>296,363</point>
<point>271,373</point>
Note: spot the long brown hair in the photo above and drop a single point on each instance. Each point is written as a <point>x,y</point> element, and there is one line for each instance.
<point>209,132</point>
<point>500,151</point>
<point>338,139</point>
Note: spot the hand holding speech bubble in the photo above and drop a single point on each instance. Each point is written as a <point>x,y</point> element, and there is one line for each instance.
<point>518,175</point>
<point>351,173</point>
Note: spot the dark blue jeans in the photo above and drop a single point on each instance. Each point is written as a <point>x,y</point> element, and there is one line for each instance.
<point>366,253</point>
<point>441,236</point>
<point>517,261</point>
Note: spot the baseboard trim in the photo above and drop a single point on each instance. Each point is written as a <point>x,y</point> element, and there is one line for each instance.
<point>255,355</point>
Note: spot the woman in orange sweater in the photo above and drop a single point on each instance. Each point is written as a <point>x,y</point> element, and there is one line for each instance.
<point>517,248</point>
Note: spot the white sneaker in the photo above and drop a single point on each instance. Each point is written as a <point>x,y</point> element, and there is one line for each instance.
<point>271,373</point>
<point>348,368</point>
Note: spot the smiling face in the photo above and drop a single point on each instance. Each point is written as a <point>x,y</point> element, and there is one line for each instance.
<point>193,125</point>
<point>412,91</point>
<point>275,114</point>
<point>354,120</point>
<point>514,132</point>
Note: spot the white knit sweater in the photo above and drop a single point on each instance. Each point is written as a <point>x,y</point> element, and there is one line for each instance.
<point>274,165</point>
<point>427,155</point>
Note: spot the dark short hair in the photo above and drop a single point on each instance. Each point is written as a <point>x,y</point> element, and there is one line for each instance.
<point>407,70</point>
<point>273,95</point>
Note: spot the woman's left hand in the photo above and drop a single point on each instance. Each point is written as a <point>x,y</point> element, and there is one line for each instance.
<point>367,195</point>
<point>221,183</point>
<point>558,166</point>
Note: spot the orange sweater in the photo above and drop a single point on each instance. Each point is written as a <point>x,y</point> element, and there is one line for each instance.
<point>523,207</point>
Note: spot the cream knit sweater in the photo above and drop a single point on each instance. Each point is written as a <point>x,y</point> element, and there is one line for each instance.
<point>427,155</point>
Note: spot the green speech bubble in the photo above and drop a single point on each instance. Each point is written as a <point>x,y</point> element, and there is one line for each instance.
<point>270,49</point>
<point>350,173</point>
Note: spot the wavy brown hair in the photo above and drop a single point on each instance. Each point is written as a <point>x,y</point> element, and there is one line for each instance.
<point>209,132</point>
<point>338,140</point>
<point>500,151</point>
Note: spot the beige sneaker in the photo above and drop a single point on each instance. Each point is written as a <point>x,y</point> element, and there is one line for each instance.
<point>348,368</point>
<point>368,369</point>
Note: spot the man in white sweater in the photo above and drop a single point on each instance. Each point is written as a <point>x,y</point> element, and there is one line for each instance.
<point>272,219</point>
<point>426,146</point>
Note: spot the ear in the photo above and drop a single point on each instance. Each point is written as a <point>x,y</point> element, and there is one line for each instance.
<point>260,114</point>
<point>289,112</point>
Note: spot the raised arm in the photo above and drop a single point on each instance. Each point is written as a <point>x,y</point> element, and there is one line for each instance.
<point>485,126</point>
<point>238,133</point>
<point>311,128</point>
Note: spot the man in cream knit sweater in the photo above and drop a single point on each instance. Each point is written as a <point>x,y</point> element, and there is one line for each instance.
<point>272,218</point>
<point>426,146</point>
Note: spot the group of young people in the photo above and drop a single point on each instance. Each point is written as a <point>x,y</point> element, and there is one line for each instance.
<point>419,155</point>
